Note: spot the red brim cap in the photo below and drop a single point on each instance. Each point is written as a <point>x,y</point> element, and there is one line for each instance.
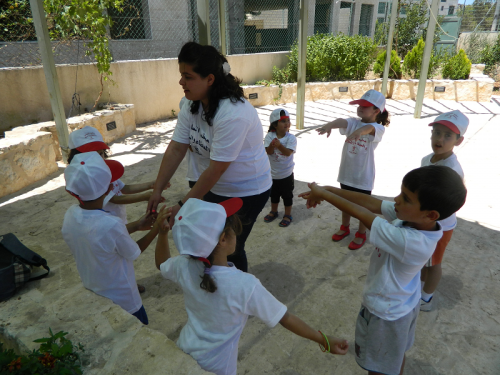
<point>232,206</point>
<point>448,124</point>
<point>116,169</point>
<point>93,146</point>
<point>362,103</point>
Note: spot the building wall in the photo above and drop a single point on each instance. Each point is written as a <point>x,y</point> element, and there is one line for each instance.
<point>151,85</point>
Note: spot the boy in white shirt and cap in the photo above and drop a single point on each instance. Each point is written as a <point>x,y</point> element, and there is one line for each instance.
<point>448,131</point>
<point>100,242</point>
<point>405,239</point>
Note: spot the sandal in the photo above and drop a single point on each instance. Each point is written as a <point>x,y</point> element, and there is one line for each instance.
<point>271,216</point>
<point>284,223</point>
<point>338,237</point>
<point>355,246</point>
<point>141,288</point>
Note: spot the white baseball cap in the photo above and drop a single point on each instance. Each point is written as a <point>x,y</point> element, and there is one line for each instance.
<point>199,224</point>
<point>87,139</point>
<point>455,120</point>
<point>88,176</point>
<point>276,115</point>
<point>371,97</point>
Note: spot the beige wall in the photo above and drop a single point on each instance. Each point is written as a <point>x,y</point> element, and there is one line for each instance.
<point>151,85</point>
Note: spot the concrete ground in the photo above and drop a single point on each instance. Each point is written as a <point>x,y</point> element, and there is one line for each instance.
<point>320,281</point>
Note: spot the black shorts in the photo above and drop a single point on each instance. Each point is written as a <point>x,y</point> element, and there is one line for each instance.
<point>283,188</point>
<point>350,188</point>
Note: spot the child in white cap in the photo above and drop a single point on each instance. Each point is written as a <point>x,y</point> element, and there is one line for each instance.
<point>103,249</point>
<point>218,307</point>
<point>357,166</point>
<point>89,139</point>
<point>280,146</point>
<point>448,131</point>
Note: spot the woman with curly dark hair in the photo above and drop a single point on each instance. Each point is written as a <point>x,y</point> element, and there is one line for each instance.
<point>225,134</point>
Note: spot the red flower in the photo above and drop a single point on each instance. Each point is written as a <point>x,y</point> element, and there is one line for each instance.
<point>47,360</point>
<point>16,364</point>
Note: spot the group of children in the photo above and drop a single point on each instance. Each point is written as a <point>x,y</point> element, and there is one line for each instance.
<point>411,237</point>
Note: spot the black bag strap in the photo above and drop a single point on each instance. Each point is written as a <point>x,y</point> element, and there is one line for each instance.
<point>13,245</point>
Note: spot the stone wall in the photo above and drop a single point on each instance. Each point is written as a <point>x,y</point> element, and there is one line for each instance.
<point>30,153</point>
<point>477,89</point>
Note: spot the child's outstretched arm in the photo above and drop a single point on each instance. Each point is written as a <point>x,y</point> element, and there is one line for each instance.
<point>300,328</point>
<point>361,206</point>
<point>134,198</point>
<point>139,188</point>
<point>162,252</point>
<point>335,124</point>
<point>364,130</point>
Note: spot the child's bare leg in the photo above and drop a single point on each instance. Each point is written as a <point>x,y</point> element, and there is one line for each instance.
<point>274,207</point>
<point>361,230</point>
<point>346,219</point>
<point>288,210</point>
<point>432,278</point>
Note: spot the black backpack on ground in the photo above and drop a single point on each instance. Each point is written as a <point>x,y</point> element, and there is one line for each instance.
<point>16,264</point>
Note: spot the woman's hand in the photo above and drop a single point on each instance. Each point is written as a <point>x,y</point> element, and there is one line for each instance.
<point>154,200</point>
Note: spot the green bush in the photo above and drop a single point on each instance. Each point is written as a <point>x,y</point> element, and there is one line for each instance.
<point>490,56</point>
<point>458,67</point>
<point>330,58</point>
<point>413,61</point>
<point>394,68</point>
<point>56,355</point>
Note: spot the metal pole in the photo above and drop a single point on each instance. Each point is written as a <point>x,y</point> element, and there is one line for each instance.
<point>426,58</point>
<point>301,73</point>
<point>49,67</point>
<point>496,17</point>
<point>394,15</point>
<point>203,10</point>
<point>222,27</point>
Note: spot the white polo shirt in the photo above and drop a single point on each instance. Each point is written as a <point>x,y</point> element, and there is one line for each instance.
<point>104,254</point>
<point>392,287</point>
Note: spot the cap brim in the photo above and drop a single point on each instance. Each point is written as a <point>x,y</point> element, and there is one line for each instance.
<point>93,146</point>
<point>232,206</point>
<point>362,103</point>
<point>448,124</point>
<point>116,169</point>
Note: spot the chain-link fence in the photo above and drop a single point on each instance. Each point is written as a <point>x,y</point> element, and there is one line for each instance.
<point>152,29</point>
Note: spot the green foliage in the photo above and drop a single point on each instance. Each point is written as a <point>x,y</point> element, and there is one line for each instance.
<point>66,20</point>
<point>394,68</point>
<point>413,61</point>
<point>56,355</point>
<point>458,67</point>
<point>407,30</point>
<point>490,56</point>
<point>330,58</point>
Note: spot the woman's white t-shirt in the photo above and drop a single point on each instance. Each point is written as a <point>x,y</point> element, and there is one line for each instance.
<point>216,320</point>
<point>235,136</point>
<point>357,166</point>
<point>281,165</point>
<point>118,210</point>
<point>452,162</point>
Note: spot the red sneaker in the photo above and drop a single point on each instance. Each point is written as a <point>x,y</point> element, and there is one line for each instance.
<point>355,246</point>
<point>338,237</point>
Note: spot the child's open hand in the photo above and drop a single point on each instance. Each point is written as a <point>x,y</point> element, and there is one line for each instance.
<point>354,136</point>
<point>314,196</point>
<point>325,129</point>
<point>161,223</point>
<point>338,346</point>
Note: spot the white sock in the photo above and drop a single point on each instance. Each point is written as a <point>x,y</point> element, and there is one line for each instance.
<point>426,296</point>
